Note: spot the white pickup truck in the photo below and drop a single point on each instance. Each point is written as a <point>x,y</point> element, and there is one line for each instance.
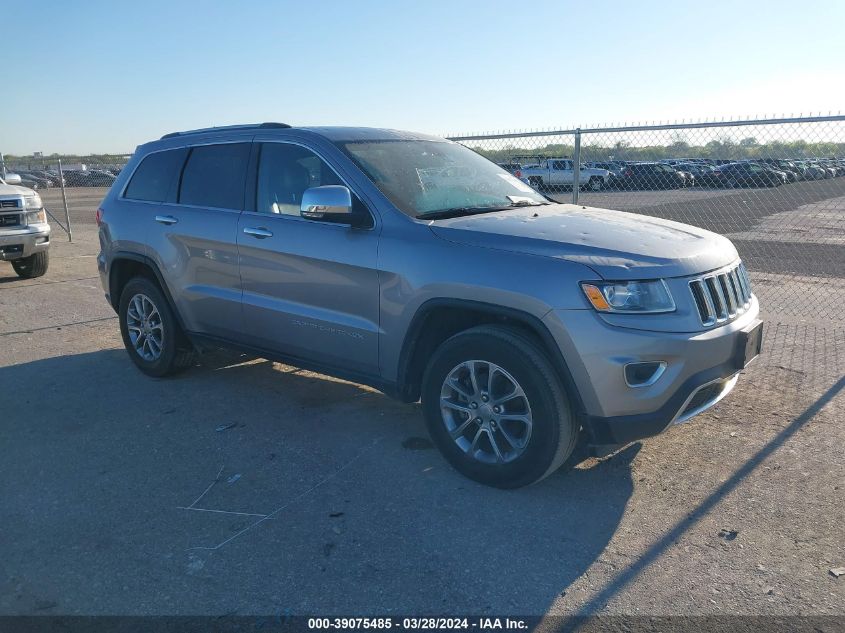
<point>559,172</point>
<point>24,231</point>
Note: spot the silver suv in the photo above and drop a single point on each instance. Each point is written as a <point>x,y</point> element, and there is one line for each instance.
<point>414,265</point>
<point>24,231</point>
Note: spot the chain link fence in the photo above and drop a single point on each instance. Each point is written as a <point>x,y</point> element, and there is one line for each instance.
<point>775,187</point>
<point>68,184</point>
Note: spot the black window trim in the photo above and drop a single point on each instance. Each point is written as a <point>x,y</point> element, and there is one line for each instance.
<point>178,183</point>
<point>250,203</point>
<point>251,206</point>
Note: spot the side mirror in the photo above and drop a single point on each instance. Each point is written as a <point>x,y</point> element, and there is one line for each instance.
<point>331,203</point>
<point>12,179</point>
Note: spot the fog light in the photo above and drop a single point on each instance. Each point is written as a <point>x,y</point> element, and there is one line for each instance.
<point>644,374</point>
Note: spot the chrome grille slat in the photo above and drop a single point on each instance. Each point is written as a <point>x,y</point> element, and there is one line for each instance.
<point>721,295</point>
<point>738,302</point>
<point>730,300</point>
<point>721,306</point>
<point>740,287</point>
<point>741,282</point>
<point>740,295</point>
<point>743,273</point>
<point>703,301</point>
<point>732,284</point>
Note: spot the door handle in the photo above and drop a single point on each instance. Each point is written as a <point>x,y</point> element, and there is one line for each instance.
<point>258,232</point>
<point>166,219</point>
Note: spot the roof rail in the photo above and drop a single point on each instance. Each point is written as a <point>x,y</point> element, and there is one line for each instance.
<point>226,128</point>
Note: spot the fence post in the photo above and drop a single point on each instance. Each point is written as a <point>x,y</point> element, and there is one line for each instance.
<point>64,201</point>
<point>2,166</point>
<point>576,167</point>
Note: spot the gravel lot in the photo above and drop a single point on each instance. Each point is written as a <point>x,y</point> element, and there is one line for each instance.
<point>333,500</point>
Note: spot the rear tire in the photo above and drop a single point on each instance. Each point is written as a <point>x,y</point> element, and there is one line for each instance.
<point>532,433</point>
<point>150,331</point>
<point>33,266</point>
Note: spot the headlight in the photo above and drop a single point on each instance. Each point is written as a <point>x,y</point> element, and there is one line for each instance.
<point>36,217</point>
<point>32,203</point>
<point>633,297</point>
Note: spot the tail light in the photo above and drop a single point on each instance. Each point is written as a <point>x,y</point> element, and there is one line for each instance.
<point>99,217</point>
<point>518,174</point>
<point>629,173</point>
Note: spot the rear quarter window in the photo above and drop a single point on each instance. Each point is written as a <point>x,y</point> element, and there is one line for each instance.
<point>156,174</point>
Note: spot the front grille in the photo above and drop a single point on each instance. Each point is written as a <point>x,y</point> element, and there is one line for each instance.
<point>9,204</point>
<point>10,219</point>
<point>12,249</point>
<point>722,295</point>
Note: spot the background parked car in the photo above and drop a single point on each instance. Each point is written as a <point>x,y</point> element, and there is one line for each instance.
<point>748,175</point>
<point>53,179</point>
<point>833,166</point>
<point>76,178</point>
<point>652,176</point>
<point>100,178</point>
<point>829,170</point>
<point>32,182</point>
<point>560,172</point>
<point>615,167</point>
<point>701,172</point>
<point>811,170</point>
<point>792,171</point>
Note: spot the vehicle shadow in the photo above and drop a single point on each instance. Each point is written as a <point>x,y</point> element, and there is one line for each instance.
<point>10,277</point>
<point>388,529</point>
<point>696,514</point>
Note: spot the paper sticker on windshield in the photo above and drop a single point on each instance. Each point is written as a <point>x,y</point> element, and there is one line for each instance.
<point>436,177</point>
<point>516,182</point>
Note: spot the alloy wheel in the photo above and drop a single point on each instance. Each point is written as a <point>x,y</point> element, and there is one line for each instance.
<point>146,331</point>
<point>486,412</point>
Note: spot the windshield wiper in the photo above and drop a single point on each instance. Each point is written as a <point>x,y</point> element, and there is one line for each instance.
<point>458,212</point>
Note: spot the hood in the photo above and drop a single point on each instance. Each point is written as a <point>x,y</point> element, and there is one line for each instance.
<point>617,245</point>
<point>15,190</point>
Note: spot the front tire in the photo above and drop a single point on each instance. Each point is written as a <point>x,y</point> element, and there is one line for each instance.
<point>496,409</point>
<point>33,266</point>
<point>150,331</point>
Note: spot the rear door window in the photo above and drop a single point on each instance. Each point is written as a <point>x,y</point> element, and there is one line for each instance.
<point>215,176</point>
<point>156,174</point>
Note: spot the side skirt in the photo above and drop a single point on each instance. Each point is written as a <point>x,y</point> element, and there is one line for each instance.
<point>203,341</point>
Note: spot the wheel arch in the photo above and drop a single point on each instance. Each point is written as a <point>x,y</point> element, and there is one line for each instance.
<point>438,319</point>
<point>126,265</point>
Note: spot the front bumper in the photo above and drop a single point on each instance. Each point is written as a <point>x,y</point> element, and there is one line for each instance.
<point>24,241</point>
<point>700,370</point>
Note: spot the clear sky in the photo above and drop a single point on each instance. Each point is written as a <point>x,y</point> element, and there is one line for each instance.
<point>104,76</point>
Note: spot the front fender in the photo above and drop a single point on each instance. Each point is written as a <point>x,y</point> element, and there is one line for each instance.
<point>417,268</point>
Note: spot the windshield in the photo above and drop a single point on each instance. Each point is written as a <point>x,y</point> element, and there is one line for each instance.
<point>434,177</point>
